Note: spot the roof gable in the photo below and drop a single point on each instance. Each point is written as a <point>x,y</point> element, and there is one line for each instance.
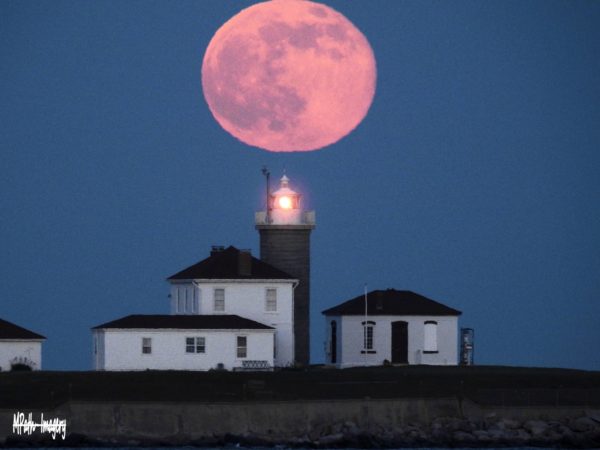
<point>231,264</point>
<point>9,330</point>
<point>184,322</point>
<point>392,303</point>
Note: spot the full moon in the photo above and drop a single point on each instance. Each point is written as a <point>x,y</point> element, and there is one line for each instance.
<point>289,75</point>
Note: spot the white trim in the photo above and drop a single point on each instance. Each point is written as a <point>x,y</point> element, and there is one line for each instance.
<point>188,329</point>
<point>236,280</point>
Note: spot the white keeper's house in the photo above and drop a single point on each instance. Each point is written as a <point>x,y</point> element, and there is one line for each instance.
<point>20,348</point>
<point>229,311</point>
<point>391,326</point>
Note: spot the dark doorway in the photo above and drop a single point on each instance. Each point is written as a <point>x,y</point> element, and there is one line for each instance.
<point>400,342</point>
<point>333,341</point>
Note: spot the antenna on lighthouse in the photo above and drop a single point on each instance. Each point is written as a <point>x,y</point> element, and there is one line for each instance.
<point>267,174</point>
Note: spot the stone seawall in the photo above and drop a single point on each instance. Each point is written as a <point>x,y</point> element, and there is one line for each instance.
<point>332,423</point>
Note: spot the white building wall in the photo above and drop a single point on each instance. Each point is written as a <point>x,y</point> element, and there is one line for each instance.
<point>28,351</point>
<point>352,340</point>
<point>246,299</point>
<point>122,349</point>
<point>98,350</point>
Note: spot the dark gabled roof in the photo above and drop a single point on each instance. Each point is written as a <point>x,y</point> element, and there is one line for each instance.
<point>9,330</point>
<point>191,322</point>
<point>227,264</point>
<point>392,303</point>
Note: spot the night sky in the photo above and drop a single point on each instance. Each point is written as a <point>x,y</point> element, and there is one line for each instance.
<point>474,179</point>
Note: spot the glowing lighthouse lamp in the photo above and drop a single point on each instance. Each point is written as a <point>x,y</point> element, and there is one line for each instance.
<point>285,205</point>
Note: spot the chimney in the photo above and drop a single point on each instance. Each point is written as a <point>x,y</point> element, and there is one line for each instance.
<point>244,263</point>
<point>216,249</point>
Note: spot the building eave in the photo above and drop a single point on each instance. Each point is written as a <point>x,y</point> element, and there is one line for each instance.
<point>236,280</point>
<point>237,330</point>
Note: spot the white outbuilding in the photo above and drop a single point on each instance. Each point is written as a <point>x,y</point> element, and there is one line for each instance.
<point>391,326</point>
<point>20,349</point>
<point>229,311</point>
<point>183,342</point>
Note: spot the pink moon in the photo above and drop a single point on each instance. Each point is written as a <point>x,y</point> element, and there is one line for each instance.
<point>289,75</point>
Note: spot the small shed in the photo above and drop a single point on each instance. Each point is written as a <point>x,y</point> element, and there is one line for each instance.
<point>391,326</point>
<point>20,348</point>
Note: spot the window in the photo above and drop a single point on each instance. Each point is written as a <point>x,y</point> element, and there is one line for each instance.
<point>271,300</point>
<point>242,346</point>
<point>146,345</point>
<point>430,343</point>
<point>368,336</point>
<point>195,345</point>
<point>219,300</point>
<point>368,333</point>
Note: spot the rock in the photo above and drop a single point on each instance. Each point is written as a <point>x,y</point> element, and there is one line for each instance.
<point>386,439</point>
<point>349,424</point>
<point>461,425</point>
<point>582,424</point>
<point>553,436</point>
<point>500,435</point>
<point>437,425</point>
<point>509,424</point>
<point>331,440</point>
<point>482,435</point>
<point>521,436</point>
<point>463,437</point>
<point>337,428</point>
<point>593,437</point>
<point>537,428</point>
<point>593,414</point>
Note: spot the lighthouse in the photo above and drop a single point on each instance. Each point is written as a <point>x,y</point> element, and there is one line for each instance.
<point>284,230</point>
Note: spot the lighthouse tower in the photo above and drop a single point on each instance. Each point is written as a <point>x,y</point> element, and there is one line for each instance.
<point>284,230</point>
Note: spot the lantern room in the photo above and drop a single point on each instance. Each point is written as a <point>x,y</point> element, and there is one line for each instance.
<point>284,207</point>
<point>285,204</point>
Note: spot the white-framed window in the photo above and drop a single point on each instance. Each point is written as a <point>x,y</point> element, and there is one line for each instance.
<point>242,347</point>
<point>146,345</point>
<point>271,300</point>
<point>430,344</point>
<point>195,344</point>
<point>368,335</point>
<point>219,299</point>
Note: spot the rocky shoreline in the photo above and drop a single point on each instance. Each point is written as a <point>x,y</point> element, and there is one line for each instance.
<point>448,432</point>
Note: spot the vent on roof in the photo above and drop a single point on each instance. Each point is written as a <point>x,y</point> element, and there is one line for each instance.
<point>244,263</point>
<point>216,249</point>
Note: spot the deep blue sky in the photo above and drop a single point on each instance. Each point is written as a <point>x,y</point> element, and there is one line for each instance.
<point>474,179</point>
